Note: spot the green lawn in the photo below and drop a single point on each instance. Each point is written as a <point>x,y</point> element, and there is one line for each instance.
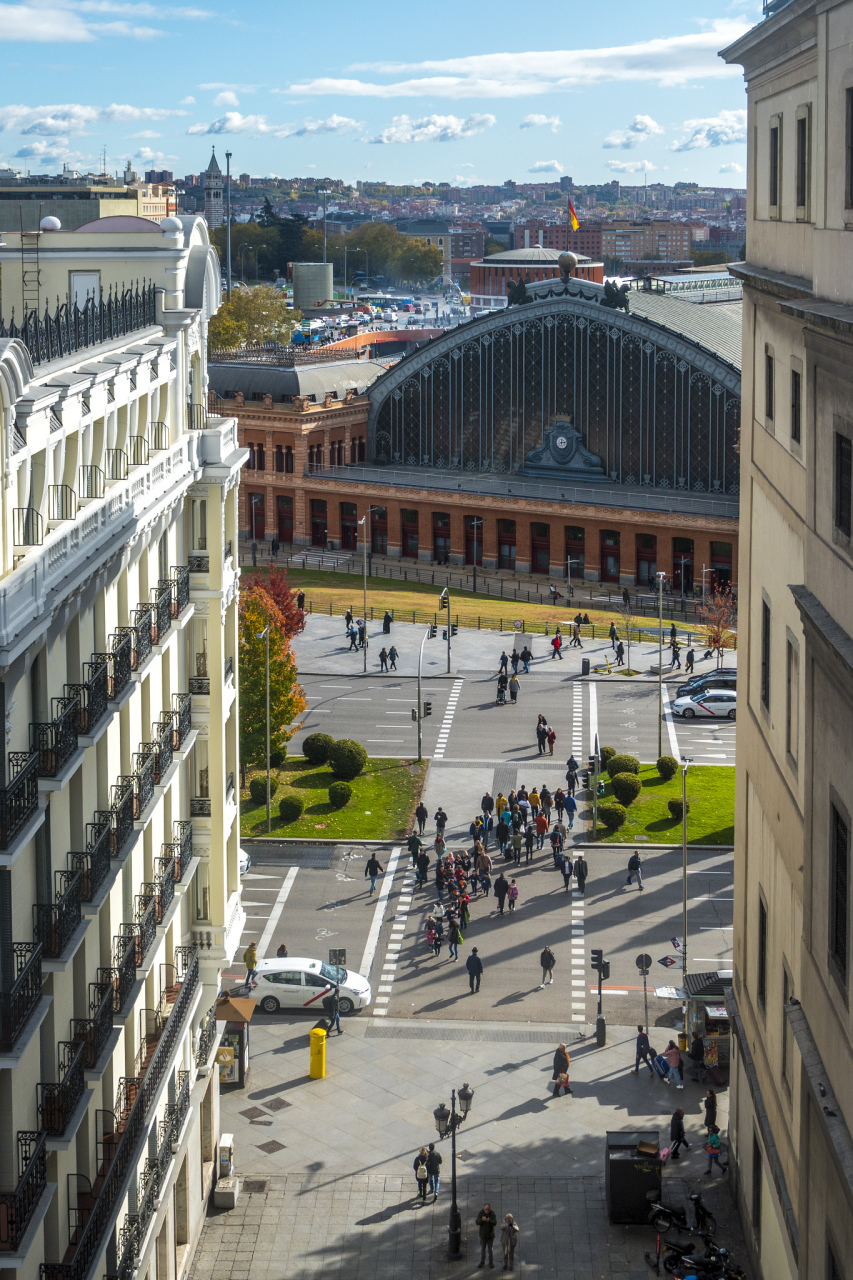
<point>383,800</point>
<point>710,795</point>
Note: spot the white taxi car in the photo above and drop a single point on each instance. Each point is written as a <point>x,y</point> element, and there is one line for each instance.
<point>721,704</point>
<point>299,983</point>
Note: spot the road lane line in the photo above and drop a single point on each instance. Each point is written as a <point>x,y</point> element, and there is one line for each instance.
<point>277,908</point>
<point>670,726</point>
<point>379,914</point>
<point>593,717</point>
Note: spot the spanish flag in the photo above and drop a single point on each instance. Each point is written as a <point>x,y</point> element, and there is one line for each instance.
<point>573,217</point>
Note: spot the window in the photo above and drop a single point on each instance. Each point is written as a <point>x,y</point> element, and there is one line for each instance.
<point>251,461</point>
<point>769,372</point>
<point>765,655</point>
<point>802,164</point>
<point>839,888</point>
<point>279,458</point>
<point>848,177</point>
<point>843,484</point>
<point>761,976</point>
<point>796,406</point>
<point>757,1179</point>
<point>288,459</point>
<point>259,453</point>
<point>792,697</point>
<point>775,175</point>
<point>787,1038</point>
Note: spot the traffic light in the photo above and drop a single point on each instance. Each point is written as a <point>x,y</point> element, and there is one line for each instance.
<point>585,779</point>
<point>453,629</point>
<point>601,786</point>
<point>414,714</point>
<point>444,599</point>
<point>597,958</point>
<point>433,631</point>
<point>605,969</point>
<point>427,709</point>
<point>444,634</point>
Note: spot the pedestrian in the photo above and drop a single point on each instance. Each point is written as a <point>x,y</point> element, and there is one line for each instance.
<point>300,600</point>
<point>362,631</point>
<point>509,1241</point>
<point>420,1164</point>
<point>487,804</point>
<point>501,803</point>
<point>440,876</point>
<point>503,832</point>
<point>515,659</point>
<point>571,807</point>
<point>515,844</point>
<point>502,665</point>
<point>422,867</point>
<point>673,1058</point>
<point>475,831</point>
<point>486,1222</point>
<point>353,638</point>
<point>713,1147</point>
<point>332,1006</point>
<point>414,844</point>
<point>542,734</point>
<point>347,620</point>
<point>556,646</point>
<point>281,952</point>
<point>560,1074</point>
<point>697,1057</point>
<point>547,960</point>
<point>581,869</point>
<point>547,801</point>
<point>677,1136</point>
<point>556,844</point>
<point>501,890</point>
<point>551,739</point>
<point>689,659</point>
<point>676,659</point>
<point>613,636</point>
<point>567,871</point>
<point>434,1171</point>
<point>421,813</point>
<point>373,869</point>
<point>393,655</point>
<point>541,825</point>
<point>526,655</point>
<point>250,960</point>
<point>635,868</point>
<point>626,599</point>
<point>572,774</point>
<point>500,697</point>
<point>512,894</point>
<point>274,546</point>
<point>383,659</point>
<point>709,1102</point>
<point>454,937</point>
<point>576,636</point>
<point>438,936</point>
<point>474,965</point>
<point>673,634</point>
<point>643,1052</point>
<point>440,820</point>
<point>513,689</point>
<point>559,802</point>
<point>386,623</point>
<point>620,654</point>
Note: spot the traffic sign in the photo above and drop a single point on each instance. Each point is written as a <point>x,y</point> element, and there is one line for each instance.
<point>677,944</point>
<point>643,963</point>
<point>339,957</point>
<point>669,962</point>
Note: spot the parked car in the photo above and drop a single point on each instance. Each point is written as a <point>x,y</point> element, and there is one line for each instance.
<point>300,983</point>
<point>718,704</point>
<point>724,679</point>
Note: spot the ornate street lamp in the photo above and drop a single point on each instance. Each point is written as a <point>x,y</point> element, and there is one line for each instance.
<point>448,1122</point>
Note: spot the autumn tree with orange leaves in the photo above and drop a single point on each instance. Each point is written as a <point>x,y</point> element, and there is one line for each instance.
<point>719,614</point>
<point>258,610</point>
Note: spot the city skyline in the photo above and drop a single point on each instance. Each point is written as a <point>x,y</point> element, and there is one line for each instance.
<point>453,101</point>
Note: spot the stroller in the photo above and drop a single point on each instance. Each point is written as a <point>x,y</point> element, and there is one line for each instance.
<point>500,700</point>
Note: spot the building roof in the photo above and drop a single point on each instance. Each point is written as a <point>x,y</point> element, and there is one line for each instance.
<point>302,380</point>
<point>427,227</point>
<point>537,253</point>
<point>119,222</point>
<point>717,326</point>
<point>213,167</point>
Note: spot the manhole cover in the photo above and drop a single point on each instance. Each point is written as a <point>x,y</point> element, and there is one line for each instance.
<point>277,1104</point>
<point>271,1147</point>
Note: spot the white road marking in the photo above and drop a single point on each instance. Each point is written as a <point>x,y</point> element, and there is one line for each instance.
<point>277,908</point>
<point>593,717</point>
<point>379,913</point>
<point>448,720</point>
<point>670,727</point>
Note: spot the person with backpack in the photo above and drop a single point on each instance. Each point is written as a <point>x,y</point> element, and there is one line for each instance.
<point>512,894</point>
<point>434,1171</point>
<point>547,960</point>
<point>689,659</point>
<point>714,1148</point>
<point>373,869</point>
<point>581,870</point>
<point>635,868</point>
<point>673,1058</point>
<point>420,1164</point>
<point>644,1052</point>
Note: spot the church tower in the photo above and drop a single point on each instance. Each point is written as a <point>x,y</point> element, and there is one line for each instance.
<point>213,185</point>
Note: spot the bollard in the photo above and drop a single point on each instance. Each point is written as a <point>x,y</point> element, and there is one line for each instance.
<point>682,1041</point>
<point>317,1066</point>
<point>600,1031</point>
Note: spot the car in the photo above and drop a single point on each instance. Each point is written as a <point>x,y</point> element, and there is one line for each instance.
<point>710,680</point>
<point>302,983</point>
<point>719,704</point>
<point>416,297</point>
<point>244,862</point>
<point>414,322</point>
<point>717,671</point>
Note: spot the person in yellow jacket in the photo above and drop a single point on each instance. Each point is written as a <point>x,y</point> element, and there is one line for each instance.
<point>501,803</point>
<point>250,960</point>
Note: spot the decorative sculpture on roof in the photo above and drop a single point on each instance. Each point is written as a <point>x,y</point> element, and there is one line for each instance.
<point>563,455</point>
<point>516,292</point>
<point>615,296</point>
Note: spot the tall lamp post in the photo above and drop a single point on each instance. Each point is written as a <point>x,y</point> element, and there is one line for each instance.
<point>448,1122</point>
<point>228,225</point>
<point>569,563</point>
<point>476,523</point>
<point>265,635</point>
<point>324,194</point>
<point>660,578</point>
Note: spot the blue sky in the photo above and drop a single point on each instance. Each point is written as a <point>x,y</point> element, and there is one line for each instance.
<point>465,91</point>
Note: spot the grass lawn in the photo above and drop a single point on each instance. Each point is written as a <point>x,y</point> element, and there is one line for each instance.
<point>710,795</point>
<point>383,800</point>
<point>418,602</point>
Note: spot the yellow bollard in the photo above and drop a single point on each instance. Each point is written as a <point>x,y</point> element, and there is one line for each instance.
<point>682,1041</point>
<point>317,1068</point>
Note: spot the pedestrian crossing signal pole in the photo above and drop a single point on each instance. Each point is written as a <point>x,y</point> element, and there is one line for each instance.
<point>444,603</point>
<point>602,967</point>
<point>418,715</point>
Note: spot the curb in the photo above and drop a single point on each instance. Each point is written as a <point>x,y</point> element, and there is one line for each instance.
<point>287,841</point>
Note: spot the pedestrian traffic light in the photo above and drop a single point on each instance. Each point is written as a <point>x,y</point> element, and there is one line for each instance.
<point>444,634</point>
<point>605,969</point>
<point>601,786</point>
<point>433,631</point>
<point>414,714</point>
<point>427,709</point>
<point>597,958</point>
<point>453,629</point>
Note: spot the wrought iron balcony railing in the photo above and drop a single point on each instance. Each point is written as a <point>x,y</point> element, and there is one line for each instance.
<point>19,801</point>
<point>163,886</point>
<point>182,834</point>
<point>115,464</point>
<point>21,1000</point>
<point>144,767</point>
<point>158,435</point>
<point>27,527</point>
<point>121,661</point>
<point>92,482</point>
<point>17,1207</point>
<point>161,608</point>
<point>56,741</point>
<point>121,815</point>
<point>74,328</point>
<point>198,562</point>
<point>150,1031</point>
<point>206,1037</point>
<point>145,910</point>
<point>137,451</point>
<point>61,502</point>
<point>122,974</point>
<point>180,589</point>
<point>197,417</point>
<point>142,622</point>
<point>164,748</point>
<point>54,923</point>
<point>199,685</point>
<point>93,863</point>
<point>93,1032</point>
<point>182,719</point>
<point>57,1102</point>
<point>200,806</point>
<point>92,694</point>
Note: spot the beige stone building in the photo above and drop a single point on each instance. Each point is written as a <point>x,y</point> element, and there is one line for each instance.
<point>792,1078</point>
<point>119,875</point>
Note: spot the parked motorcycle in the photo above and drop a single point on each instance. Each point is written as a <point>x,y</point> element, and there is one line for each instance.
<point>663,1217</point>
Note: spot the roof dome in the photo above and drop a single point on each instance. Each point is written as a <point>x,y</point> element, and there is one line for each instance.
<point>536,253</point>
<point>50,223</point>
<point>171,224</point>
<point>120,222</point>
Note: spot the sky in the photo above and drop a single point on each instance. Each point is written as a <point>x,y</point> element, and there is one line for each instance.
<point>463,91</point>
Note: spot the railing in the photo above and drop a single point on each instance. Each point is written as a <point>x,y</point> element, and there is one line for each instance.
<point>182,718</point>
<point>127,1149</point>
<point>121,661</point>
<point>180,589</point>
<point>145,910</point>
<point>206,1037</point>
<point>93,694</point>
<point>158,433</point>
<point>93,1032</point>
<point>163,886</point>
<point>122,975</point>
<point>54,923</point>
<point>115,464</point>
<point>121,814</point>
<point>141,622</point>
<point>93,863</point>
<point>161,606</point>
<point>182,834</point>
<point>144,766</point>
<point>137,451</point>
<point>196,417</point>
<point>92,482</point>
<point>129,1243</point>
<point>164,749</point>
<point>200,806</point>
<point>61,502</point>
<point>20,799</point>
<point>56,741</point>
<point>26,527</point>
<point>229,668</point>
<point>56,1102</point>
<point>150,1030</point>
<point>74,328</point>
<point>20,1001</point>
<point>18,1206</point>
<point>198,563</point>
<point>199,684</point>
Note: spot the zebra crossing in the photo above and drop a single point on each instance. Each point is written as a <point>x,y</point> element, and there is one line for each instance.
<point>444,731</point>
<point>385,985</point>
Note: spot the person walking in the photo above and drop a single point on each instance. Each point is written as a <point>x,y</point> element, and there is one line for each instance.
<point>300,601</point>
<point>515,658</point>
<point>438,930</point>
<point>526,657</point>
<point>556,647</point>
<point>673,1058</point>
<point>393,655</point>
<point>542,825</point>
<point>643,1052</point>
<point>673,635</point>
<point>556,838</point>
<point>677,1136</point>
<point>420,1164</point>
<point>487,1221</point>
<point>560,1075</point>
<point>551,738</point>
<point>434,1171</point>
<point>362,632</point>
<point>581,869</point>
<point>503,832</point>
<point>635,868</point>
<point>714,1148</point>
<point>274,546</point>
<point>515,844</point>
<point>502,665</point>
<point>440,820</point>
<point>567,871</point>
<point>546,801</point>
<point>547,960</point>
<point>559,802</point>
<point>421,813</point>
<point>332,1005</point>
<point>689,659</point>
<point>483,863</point>
<point>422,867</point>
<point>512,895</point>
<point>373,869</point>
<point>454,937</point>
<point>501,890</point>
<point>353,638</point>
<point>613,636</point>
<point>509,1241</point>
<point>542,734</point>
<point>487,805</point>
<point>250,960</point>
<point>576,636</point>
<point>513,689</point>
<point>348,617</point>
<point>709,1102</point>
<point>676,658</point>
<point>414,844</point>
<point>620,654</point>
<point>474,965</point>
<point>696,1053</point>
<point>572,774</point>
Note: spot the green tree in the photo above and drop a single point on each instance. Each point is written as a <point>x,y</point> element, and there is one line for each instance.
<point>708,257</point>
<point>287,701</point>
<point>253,315</point>
<point>491,245</point>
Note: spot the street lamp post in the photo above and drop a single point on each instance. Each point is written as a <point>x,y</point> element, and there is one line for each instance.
<point>420,703</point>
<point>686,760</point>
<point>448,1122</point>
<point>228,225</point>
<point>265,635</point>
<point>324,194</point>
<point>569,563</point>
<point>660,578</point>
<point>476,523</point>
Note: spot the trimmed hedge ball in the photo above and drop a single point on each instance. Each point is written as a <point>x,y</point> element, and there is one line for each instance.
<point>340,793</point>
<point>675,808</point>
<point>607,753</point>
<point>290,807</point>
<point>667,767</point>
<point>258,788</point>
<point>347,758</point>
<point>278,757</point>
<point>626,787</point>
<point>317,746</point>
<point>622,764</point>
<point>611,815</point>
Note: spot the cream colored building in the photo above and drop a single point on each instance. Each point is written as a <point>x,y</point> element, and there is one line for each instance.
<point>119,887</point>
<point>792,1080</point>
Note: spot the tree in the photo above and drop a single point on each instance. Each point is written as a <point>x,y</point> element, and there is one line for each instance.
<point>491,245</point>
<point>260,314</point>
<point>719,613</point>
<point>709,257</point>
<point>287,701</point>
<point>278,588</point>
<point>626,614</point>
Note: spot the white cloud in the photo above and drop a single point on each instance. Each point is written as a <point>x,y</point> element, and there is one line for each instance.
<point>639,130</point>
<point>43,150</point>
<point>535,121</point>
<point>188,101</point>
<point>433,128</point>
<point>713,131</point>
<point>311,128</point>
<point>670,60</point>
<point>139,10</point>
<point>234,122</point>
<point>74,117</point>
<point>215,85</point>
<point>630,166</point>
<point>147,156</point>
<point>731,168</point>
<point>226,99</point>
<point>547,166</point>
<point>146,133</point>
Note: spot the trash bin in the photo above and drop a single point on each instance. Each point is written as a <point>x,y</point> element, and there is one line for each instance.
<point>682,1041</point>
<point>584,666</point>
<point>632,1168</point>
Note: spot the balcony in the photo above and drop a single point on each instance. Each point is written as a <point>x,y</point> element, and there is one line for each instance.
<point>198,562</point>
<point>19,801</point>
<point>27,527</point>
<point>93,864</point>
<point>55,923</point>
<point>180,584</point>
<point>58,1102</point>
<point>144,767</point>
<point>61,503</point>
<point>145,910</point>
<point>158,433</point>
<point>163,747</point>
<point>161,606</point>
<point>92,694</point>
<point>74,328</point>
<point>18,1004</point>
<point>122,975</point>
<point>200,807</point>
<point>206,1037</point>
<point>92,1033</point>
<point>92,483</point>
<point>56,741</point>
<point>150,1031</point>
<point>182,719</point>
<point>119,662</point>
<point>17,1207</point>
<point>137,451</point>
<point>163,887</point>
<point>115,464</point>
<point>141,626</point>
<point>120,815</point>
<point>197,419</point>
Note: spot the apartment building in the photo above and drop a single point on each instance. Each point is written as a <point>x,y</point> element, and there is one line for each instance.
<point>76,200</point>
<point>791,1107</point>
<point>119,886</point>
